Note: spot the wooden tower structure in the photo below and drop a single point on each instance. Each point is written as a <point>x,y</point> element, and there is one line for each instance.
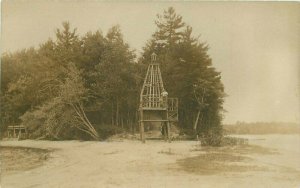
<point>155,106</point>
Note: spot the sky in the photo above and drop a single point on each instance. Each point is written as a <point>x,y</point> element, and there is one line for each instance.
<point>255,45</point>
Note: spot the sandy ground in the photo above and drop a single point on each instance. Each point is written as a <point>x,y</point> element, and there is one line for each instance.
<point>274,161</point>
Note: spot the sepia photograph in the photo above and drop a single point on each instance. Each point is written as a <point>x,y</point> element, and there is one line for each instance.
<point>149,94</point>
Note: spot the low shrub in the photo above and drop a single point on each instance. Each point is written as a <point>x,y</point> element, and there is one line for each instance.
<point>232,141</point>
<point>105,131</point>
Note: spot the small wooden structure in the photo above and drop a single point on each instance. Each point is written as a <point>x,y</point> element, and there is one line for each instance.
<point>155,106</point>
<point>16,131</point>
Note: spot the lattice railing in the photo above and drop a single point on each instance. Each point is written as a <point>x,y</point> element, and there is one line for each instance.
<point>173,109</point>
<point>153,102</point>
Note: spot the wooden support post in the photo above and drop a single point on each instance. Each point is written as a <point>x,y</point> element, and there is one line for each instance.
<point>26,134</point>
<point>142,126</point>
<point>142,132</point>
<point>165,131</point>
<point>168,131</point>
<point>19,134</point>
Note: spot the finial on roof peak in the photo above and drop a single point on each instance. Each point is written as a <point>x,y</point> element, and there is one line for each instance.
<point>153,57</point>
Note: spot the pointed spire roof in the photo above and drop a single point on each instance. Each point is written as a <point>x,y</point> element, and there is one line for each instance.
<point>153,86</point>
<point>153,57</point>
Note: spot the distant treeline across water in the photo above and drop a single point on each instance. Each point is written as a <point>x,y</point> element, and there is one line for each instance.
<point>262,128</point>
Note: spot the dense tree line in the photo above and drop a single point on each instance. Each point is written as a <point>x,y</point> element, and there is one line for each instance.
<point>262,128</point>
<point>88,86</point>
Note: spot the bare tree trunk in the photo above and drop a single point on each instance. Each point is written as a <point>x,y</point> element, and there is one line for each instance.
<point>131,127</point>
<point>85,124</point>
<point>122,122</point>
<point>127,120</point>
<point>117,113</point>
<point>197,119</point>
<point>112,114</point>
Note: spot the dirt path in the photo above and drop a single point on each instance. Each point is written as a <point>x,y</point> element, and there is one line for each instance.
<point>274,162</point>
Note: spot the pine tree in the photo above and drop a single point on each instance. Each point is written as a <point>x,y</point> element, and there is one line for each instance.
<point>170,27</point>
<point>68,46</point>
<point>188,74</point>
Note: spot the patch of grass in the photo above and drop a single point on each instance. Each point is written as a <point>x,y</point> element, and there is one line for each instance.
<point>216,160</point>
<point>214,163</point>
<point>169,152</point>
<point>21,158</point>
<point>231,141</point>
